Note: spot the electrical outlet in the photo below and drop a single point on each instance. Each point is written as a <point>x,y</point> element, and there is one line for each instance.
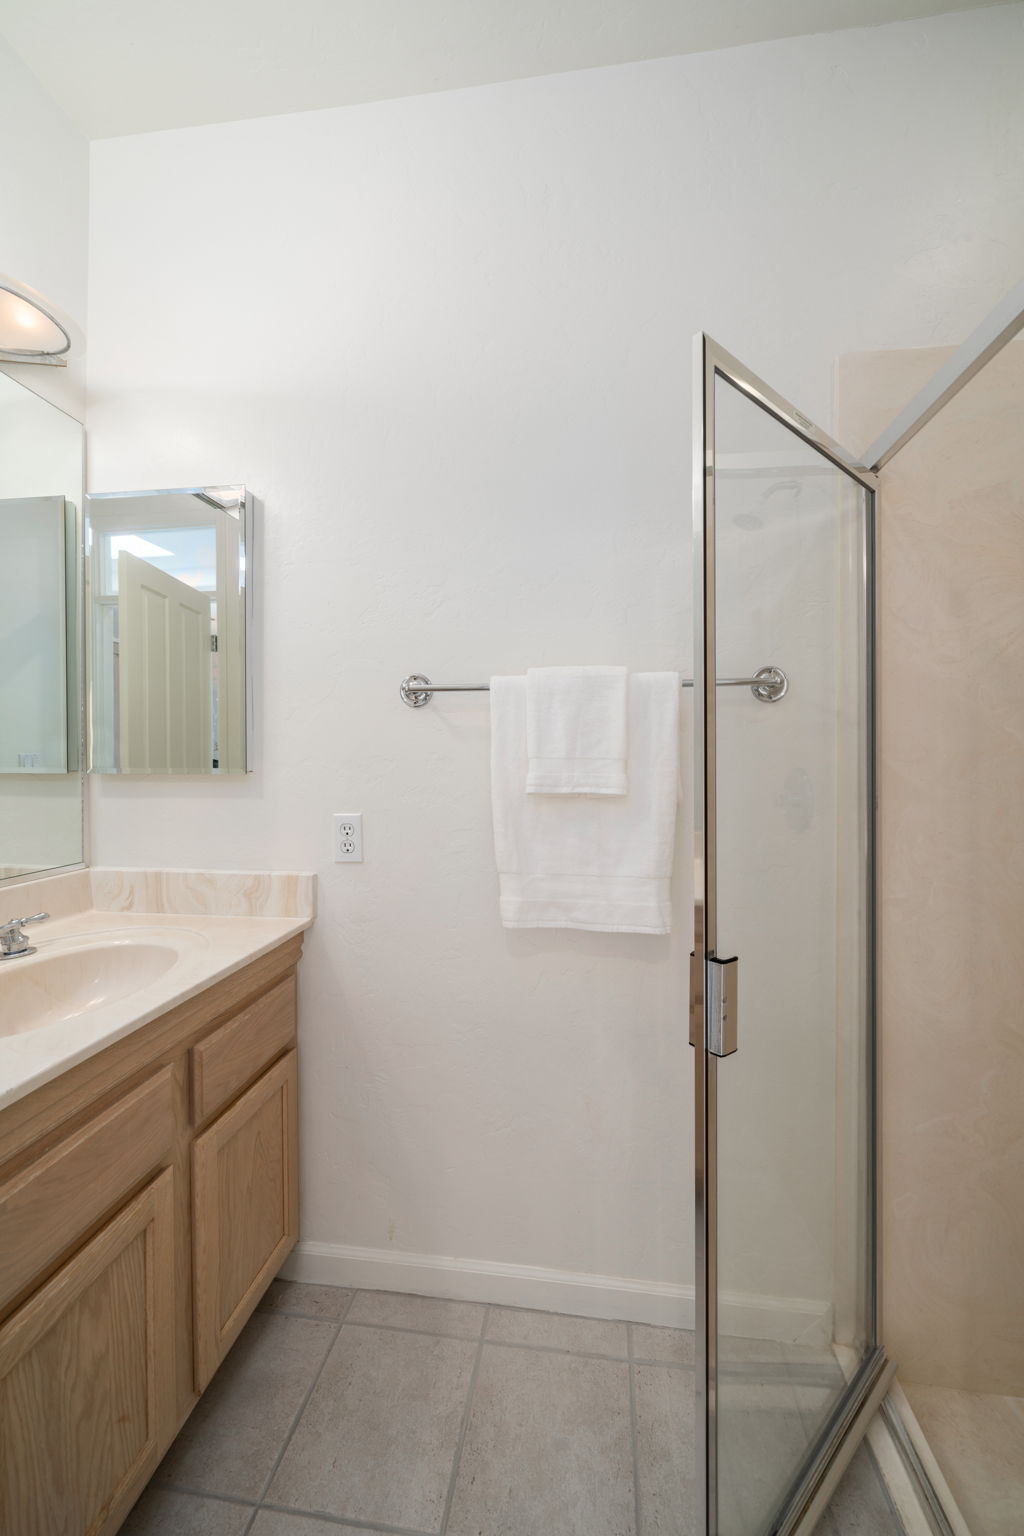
<point>348,837</point>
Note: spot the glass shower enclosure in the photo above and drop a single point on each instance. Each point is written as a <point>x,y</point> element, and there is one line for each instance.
<point>789,1363</point>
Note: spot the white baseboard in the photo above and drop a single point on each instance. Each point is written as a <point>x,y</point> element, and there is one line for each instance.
<point>789,1319</point>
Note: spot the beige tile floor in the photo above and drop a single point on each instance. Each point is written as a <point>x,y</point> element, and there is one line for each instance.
<point>978,1441</point>
<point>364,1410</point>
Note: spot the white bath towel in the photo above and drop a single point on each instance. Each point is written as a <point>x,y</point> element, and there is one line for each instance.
<point>576,731</point>
<point>590,861</point>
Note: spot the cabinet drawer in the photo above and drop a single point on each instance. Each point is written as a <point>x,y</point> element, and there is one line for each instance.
<point>234,1055</point>
<point>61,1195</point>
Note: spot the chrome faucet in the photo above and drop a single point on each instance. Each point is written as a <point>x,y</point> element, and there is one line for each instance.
<point>14,943</point>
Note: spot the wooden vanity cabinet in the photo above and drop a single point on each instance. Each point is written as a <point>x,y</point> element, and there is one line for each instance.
<point>148,1197</point>
<point>245,1203</point>
<point>86,1377</point>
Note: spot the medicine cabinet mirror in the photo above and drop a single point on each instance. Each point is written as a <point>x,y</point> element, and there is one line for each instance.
<point>41,464</point>
<point>169,587</point>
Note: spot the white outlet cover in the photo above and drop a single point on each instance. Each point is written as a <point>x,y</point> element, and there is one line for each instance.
<point>348,837</point>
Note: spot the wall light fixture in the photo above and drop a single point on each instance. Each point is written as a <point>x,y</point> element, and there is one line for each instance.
<point>29,331</point>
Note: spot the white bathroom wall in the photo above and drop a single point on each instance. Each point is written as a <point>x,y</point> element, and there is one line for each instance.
<point>446,342</point>
<point>44,214</point>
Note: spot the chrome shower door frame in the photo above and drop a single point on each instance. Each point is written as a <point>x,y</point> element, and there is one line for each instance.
<point>864,1391</point>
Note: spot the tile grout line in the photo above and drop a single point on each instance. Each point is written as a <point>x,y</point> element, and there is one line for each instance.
<point>340,1521</point>
<point>586,1354</point>
<point>464,1426</point>
<point>546,1349</point>
<point>430,1333</point>
<point>309,1317</point>
<point>251,1520</point>
<point>553,1349</point>
<point>302,1406</point>
<point>199,1493</point>
<point>632,1429</point>
<point>359,1322</point>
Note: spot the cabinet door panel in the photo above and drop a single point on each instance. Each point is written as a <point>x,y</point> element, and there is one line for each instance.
<point>87,1379</point>
<point>245,1209</point>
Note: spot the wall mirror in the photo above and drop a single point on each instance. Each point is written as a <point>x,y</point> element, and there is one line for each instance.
<point>169,588</point>
<point>41,464</point>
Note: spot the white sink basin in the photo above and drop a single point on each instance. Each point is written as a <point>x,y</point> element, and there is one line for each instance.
<point>57,985</point>
<point>99,973</point>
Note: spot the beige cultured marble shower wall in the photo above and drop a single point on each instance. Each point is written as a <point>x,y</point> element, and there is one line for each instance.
<point>951,743</point>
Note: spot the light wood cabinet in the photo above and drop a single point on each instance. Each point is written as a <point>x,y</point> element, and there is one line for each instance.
<point>57,1196</point>
<point>148,1197</point>
<point>245,1202</point>
<point>87,1378</point>
<point>230,1058</point>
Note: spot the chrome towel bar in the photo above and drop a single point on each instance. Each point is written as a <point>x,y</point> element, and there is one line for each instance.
<point>768,684</point>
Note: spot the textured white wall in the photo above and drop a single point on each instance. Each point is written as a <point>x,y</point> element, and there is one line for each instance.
<point>446,341</point>
<point>44,215</point>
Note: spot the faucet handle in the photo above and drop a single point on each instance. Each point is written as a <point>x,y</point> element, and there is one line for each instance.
<point>12,941</point>
<point>17,922</point>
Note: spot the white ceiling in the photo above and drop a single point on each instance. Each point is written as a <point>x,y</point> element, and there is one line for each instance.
<point>128,66</point>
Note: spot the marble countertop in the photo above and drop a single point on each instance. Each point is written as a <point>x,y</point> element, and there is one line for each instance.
<point>89,942</point>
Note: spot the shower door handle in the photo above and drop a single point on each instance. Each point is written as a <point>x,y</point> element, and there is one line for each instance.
<point>722,994</point>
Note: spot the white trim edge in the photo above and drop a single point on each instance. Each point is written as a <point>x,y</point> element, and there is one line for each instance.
<point>902,1485</point>
<point>789,1319</point>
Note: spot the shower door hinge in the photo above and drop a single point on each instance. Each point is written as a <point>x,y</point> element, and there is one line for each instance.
<point>721,989</point>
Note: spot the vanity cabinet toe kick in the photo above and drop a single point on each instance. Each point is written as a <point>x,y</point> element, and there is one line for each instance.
<point>148,1196</point>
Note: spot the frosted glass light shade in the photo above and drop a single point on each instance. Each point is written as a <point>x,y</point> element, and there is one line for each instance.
<point>28,332</point>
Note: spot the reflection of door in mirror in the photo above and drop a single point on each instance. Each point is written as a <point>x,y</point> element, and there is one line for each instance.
<point>41,824</point>
<point>166,579</point>
<point>164,675</point>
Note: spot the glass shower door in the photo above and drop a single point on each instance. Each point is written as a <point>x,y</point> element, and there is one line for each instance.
<point>789,1363</point>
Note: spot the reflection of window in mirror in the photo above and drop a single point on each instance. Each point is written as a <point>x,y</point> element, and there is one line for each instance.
<point>167,631</point>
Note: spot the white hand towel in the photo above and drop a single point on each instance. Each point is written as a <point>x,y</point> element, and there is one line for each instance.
<point>576,731</point>
<point>592,861</point>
